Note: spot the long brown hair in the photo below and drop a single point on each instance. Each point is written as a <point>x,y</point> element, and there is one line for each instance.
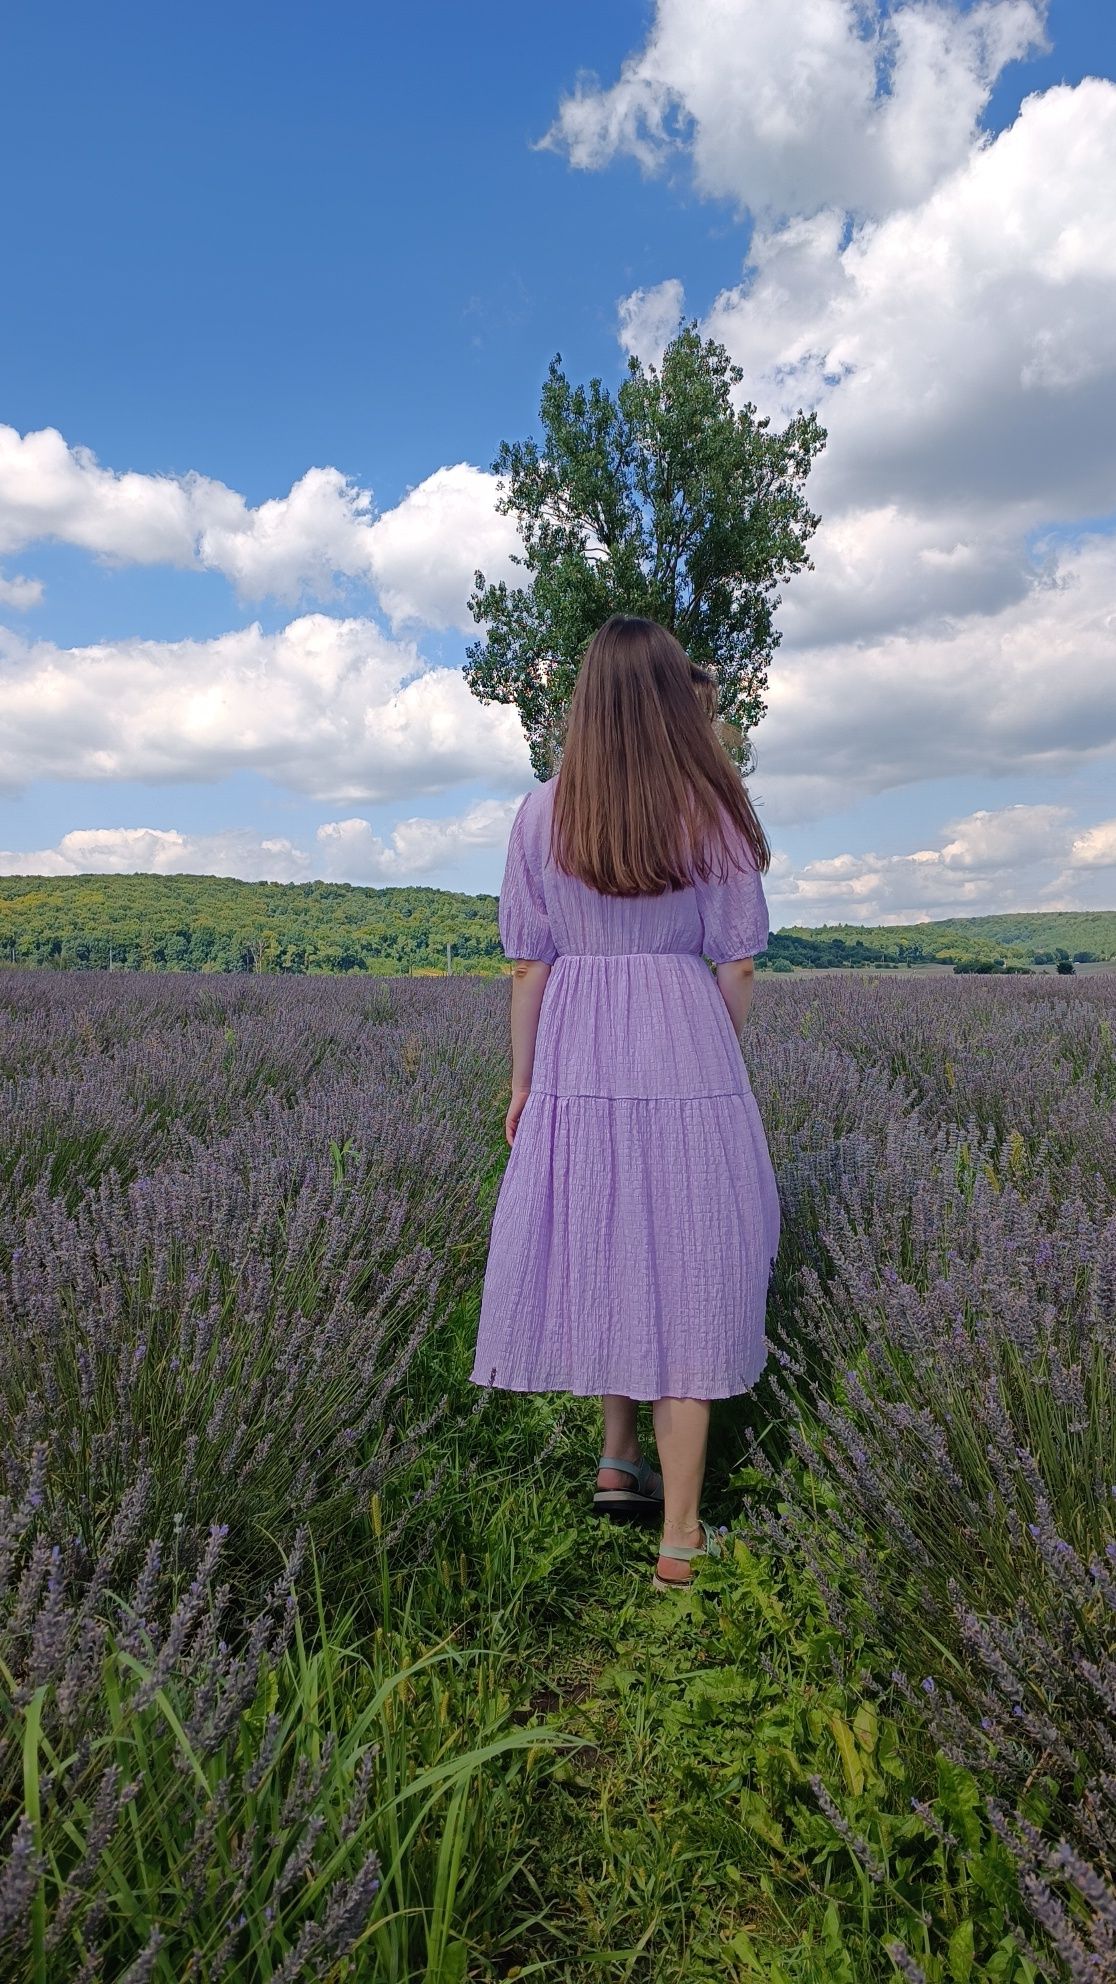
<point>645,784</point>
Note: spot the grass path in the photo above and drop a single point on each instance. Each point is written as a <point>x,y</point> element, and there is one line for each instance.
<point>681,1839</point>
<point>626,1870</point>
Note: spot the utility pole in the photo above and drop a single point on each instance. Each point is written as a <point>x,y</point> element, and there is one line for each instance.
<point>449,959</point>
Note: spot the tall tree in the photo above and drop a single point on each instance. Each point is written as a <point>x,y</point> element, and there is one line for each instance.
<point>666,500</point>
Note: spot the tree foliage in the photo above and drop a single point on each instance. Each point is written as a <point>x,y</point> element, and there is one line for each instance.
<point>665,500</point>
<point>212,923</point>
<point>969,943</point>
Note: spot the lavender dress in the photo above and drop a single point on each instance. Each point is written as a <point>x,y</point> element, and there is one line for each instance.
<point>638,1217</point>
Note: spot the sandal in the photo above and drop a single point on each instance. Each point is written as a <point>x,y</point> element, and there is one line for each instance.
<point>681,1554</point>
<point>629,1504</point>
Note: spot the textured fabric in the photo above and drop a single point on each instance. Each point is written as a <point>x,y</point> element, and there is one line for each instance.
<point>638,1217</point>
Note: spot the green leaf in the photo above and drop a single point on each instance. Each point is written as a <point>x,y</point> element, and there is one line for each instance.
<point>888,1756</point>
<point>850,1757</point>
<point>960,1952</point>
<point>453,1965</point>
<point>959,1802</point>
<point>616,1680</point>
<point>866,1725</point>
<point>744,1950</point>
<point>756,1814</point>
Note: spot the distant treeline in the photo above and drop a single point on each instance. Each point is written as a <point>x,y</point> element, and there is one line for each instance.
<point>969,943</point>
<point>210,923</point>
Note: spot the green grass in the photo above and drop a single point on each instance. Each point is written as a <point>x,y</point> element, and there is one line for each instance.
<point>684,1840</point>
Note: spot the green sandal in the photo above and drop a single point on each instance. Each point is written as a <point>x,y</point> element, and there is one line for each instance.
<point>682,1554</point>
<point>636,1504</point>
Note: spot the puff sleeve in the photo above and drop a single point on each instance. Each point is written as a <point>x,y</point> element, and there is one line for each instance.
<point>523,923</point>
<point>734,918</point>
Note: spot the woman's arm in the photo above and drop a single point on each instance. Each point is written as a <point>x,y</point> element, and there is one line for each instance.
<point>529,976</point>
<point>736,979</point>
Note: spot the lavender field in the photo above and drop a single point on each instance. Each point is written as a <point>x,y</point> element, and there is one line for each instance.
<point>312,1665</point>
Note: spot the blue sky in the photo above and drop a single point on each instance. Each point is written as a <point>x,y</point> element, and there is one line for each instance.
<point>255,241</point>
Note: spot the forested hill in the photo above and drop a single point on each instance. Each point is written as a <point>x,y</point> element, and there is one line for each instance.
<point>1028,937</point>
<point>209,923</point>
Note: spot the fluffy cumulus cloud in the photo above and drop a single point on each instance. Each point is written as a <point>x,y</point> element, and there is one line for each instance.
<point>785,109</point>
<point>1013,858</point>
<point>425,553</point>
<point>1028,688</point>
<point>351,849</point>
<point>343,850</point>
<point>420,556</point>
<point>961,352</point>
<point>1096,847</point>
<point>327,707</point>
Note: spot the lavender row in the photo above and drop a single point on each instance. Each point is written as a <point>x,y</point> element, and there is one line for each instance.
<point>945,1347</point>
<point>233,1218</point>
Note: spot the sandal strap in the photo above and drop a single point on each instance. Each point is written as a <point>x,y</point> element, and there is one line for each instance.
<point>640,1471</point>
<point>624,1466</point>
<point>684,1554</point>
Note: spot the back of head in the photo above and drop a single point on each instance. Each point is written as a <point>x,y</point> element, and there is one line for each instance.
<point>646,789</point>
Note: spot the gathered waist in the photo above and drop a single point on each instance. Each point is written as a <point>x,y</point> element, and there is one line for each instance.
<point>636,1028</point>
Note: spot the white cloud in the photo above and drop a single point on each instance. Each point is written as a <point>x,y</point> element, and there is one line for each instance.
<point>946,299</point>
<point>649,318</point>
<point>343,850</point>
<point>424,553</point>
<point>20,593</point>
<point>421,555</point>
<point>1015,858</point>
<point>962,352</point>
<point>785,109</point>
<point>1030,687</point>
<point>963,358</point>
<point>1096,847</point>
<point>351,848</point>
<point>327,707</point>
<point>291,544</point>
<point>885,569</point>
<point>48,490</point>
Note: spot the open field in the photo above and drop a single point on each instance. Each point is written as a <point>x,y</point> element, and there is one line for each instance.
<point>312,1662</point>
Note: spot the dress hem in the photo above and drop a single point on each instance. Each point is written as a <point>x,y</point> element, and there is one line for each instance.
<point>611,1095</point>
<point>581,1389</point>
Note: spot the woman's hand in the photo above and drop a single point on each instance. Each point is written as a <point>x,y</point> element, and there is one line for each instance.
<point>515,1111</point>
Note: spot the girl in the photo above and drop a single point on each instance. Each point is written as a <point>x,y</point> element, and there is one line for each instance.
<point>638,1218</point>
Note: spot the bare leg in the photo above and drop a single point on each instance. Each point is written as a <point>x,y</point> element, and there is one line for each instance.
<point>681,1434</point>
<point>620,1439</point>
